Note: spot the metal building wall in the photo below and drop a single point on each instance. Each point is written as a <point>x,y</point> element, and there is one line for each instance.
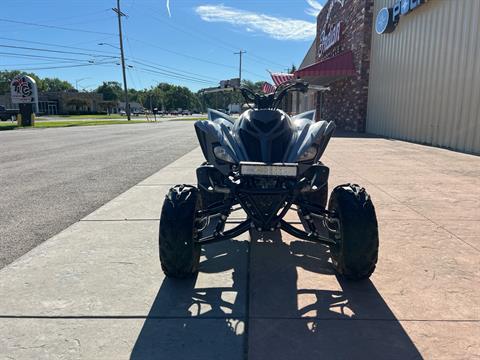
<point>425,76</point>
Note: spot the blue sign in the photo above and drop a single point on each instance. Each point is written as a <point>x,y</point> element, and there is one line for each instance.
<point>388,18</point>
<point>384,23</point>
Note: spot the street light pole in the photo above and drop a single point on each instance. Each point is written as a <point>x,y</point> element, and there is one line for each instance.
<point>79,80</point>
<point>119,15</point>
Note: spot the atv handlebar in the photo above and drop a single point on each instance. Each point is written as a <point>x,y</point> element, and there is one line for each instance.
<point>273,100</point>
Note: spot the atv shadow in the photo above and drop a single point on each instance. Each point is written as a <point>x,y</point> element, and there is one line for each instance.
<point>296,309</point>
<point>300,310</point>
<point>200,317</point>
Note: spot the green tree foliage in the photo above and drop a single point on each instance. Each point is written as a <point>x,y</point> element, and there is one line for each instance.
<point>54,84</point>
<point>255,86</point>
<point>166,97</point>
<point>111,91</point>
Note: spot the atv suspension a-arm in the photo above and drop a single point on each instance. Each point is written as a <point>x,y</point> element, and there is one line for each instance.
<point>309,211</point>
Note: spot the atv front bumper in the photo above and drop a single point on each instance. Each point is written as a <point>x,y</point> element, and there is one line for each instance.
<point>266,199</point>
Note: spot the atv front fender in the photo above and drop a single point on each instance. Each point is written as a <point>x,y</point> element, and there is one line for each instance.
<point>318,134</point>
<point>211,134</point>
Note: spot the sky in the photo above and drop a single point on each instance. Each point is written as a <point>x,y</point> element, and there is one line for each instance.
<point>184,42</point>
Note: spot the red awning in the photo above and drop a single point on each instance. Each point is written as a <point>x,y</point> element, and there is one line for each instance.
<point>336,67</point>
<point>280,78</point>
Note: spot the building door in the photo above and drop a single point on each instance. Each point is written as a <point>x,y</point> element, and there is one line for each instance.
<point>52,109</point>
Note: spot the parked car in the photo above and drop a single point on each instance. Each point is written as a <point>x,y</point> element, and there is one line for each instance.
<point>186,112</point>
<point>138,112</point>
<point>174,112</point>
<point>6,114</point>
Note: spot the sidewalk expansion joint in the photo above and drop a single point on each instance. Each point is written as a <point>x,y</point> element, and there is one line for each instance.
<point>118,317</point>
<point>362,319</point>
<point>155,185</point>
<point>116,220</point>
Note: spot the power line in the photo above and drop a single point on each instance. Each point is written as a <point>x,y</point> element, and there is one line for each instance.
<point>145,62</point>
<point>54,27</point>
<point>184,55</point>
<point>88,14</point>
<point>176,76</point>
<point>130,51</point>
<point>28,56</point>
<point>175,70</point>
<point>36,64</point>
<point>55,51</point>
<point>203,82</point>
<point>64,67</point>
<point>171,72</point>
<point>111,34</point>
<point>56,45</point>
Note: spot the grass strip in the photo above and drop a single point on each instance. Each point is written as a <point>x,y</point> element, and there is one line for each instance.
<point>53,124</point>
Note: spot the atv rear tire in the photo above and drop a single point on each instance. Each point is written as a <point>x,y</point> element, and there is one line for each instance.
<point>179,254</point>
<point>356,253</point>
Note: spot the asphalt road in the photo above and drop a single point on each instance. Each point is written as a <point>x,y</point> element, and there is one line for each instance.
<point>51,178</point>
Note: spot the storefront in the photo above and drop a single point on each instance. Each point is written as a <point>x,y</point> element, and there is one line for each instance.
<point>405,69</point>
<point>341,61</point>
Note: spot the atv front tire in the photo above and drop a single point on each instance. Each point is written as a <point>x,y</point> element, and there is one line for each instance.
<point>356,253</point>
<point>179,253</point>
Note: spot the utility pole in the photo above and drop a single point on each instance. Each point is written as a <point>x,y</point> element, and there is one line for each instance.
<point>241,52</point>
<point>120,14</point>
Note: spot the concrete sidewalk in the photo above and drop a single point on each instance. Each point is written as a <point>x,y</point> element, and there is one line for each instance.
<point>96,291</point>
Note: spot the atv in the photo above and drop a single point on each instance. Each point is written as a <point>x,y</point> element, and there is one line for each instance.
<point>267,163</point>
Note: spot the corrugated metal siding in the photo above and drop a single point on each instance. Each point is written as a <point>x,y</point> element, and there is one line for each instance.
<point>425,76</point>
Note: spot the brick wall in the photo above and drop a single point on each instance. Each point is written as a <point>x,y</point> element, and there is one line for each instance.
<point>346,103</point>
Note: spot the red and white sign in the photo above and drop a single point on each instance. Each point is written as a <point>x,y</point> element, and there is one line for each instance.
<point>23,90</point>
<point>327,40</point>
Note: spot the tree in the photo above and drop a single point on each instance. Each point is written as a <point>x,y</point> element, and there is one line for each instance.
<point>255,86</point>
<point>111,91</point>
<point>54,84</point>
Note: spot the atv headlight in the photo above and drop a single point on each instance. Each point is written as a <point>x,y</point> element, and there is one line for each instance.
<point>222,154</point>
<point>309,154</point>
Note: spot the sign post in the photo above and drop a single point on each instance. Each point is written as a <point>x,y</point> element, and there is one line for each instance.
<point>24,92</point>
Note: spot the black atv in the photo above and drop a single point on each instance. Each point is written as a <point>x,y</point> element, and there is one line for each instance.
<point>267,163</point>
